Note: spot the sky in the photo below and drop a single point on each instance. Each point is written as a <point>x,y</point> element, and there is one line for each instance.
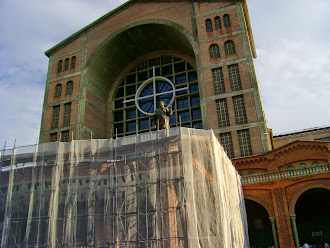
<point>292,39</point>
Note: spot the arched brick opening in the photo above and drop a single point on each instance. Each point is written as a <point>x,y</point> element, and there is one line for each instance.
<point>299,192</point>
<point>267,206</point>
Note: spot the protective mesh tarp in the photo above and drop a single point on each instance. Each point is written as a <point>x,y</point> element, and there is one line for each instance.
<point>169,188</point>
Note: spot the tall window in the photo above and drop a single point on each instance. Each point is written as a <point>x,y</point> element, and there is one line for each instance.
<point>244,142</point>
<point>223,116</point>
<point>217,23</point>
<point>219,85</point>
<point>59,66</point>
<point>69,87</point>
<point>58,90</point>
<point>128,119</point>
<point>226,21</point>
<point>208,25</point>
<point>234,77</point>
<point>214,51</point>
<point>67,114</point>
<point>56,115</point>
<point>73,62</point>
<point>239,109</point>
<point>53,137</point>
<point>65,136</point>
<point>229,47</point>
<point>66,64</point>
<point>227,144</point>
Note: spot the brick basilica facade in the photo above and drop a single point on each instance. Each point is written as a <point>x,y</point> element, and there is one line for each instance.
<point>206,50</point>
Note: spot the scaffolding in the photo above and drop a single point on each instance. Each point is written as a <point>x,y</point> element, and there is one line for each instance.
<point>168,188</point>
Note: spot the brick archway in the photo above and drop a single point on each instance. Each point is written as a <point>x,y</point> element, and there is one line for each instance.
<point>299,192</point>
<point>268,207</point>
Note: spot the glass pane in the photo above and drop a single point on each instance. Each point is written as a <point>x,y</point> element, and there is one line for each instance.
<point>185,116</point>
<point>166,60</point>
<point>130,79</point>
<point>131,126</point>
<point>193,88</point>
<point>142,76</point>
<point>162,86</point>
<point>179,67</point>
<point>183,103</point>
<point>192,76</point>
<point>198,125</point>
<point>130,90</point>
<point>196,114</point>
<point>180,79</point>
<point>118,116</point>
<point>148,90</point>
<point>194,101</point>
<point>167,70</point>
<point>119,128</point>
<point>120,92</point>
<point>119,104</point>
<point>143,124</point>
<point>147,104</point>
<point>154,62</point>
<point>130,114</point>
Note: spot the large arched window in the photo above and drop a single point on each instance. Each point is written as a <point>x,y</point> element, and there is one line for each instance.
<point>214,51</point>
<point>226,21</point>
<point>217,23</point>
<point>128,119</point>
<point>229,47</point>
<point>208,25</point>
<point>59,66</point>
<point>58,90</point>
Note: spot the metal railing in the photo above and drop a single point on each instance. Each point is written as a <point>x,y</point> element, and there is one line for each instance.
<point>278,175</point>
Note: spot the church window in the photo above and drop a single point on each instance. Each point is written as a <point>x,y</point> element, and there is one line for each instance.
<point>223,115</point>
<point>59,66</point>
<point>69,87</point>
<point>229,47</point>
<point>208,25</point>
<point>302,166</point>
<point>244,142</point>
<point>239,109</point>
<point>65,136</point>
<point>127,118</point>
<point>67,114</point>
<point>73,62</point>
<point>217,23</point>
<point>66,64</point>
<point>226,21</point>
<point>227,144</point>
<point>214,51</point>
<point>58,90</point>
<point>219,85</point>
<point>53,137</point>
<point>56,115</point>
<point>234,77</point>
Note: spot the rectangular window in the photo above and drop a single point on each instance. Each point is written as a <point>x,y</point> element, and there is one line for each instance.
<point>219,85</point>
<point>53,137</point>
<point>67,114</point>
<point>239,109</point>
<point>234,77</point>
<point>223,116</point>
<point>227,144</point>
<point>56,115</point>
<point>244,142</point>
<point>65,136</point>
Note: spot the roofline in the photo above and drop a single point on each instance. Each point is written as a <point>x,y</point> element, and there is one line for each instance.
<point>307,130</point>
<point>120,8</point>
<point>74,36</point>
